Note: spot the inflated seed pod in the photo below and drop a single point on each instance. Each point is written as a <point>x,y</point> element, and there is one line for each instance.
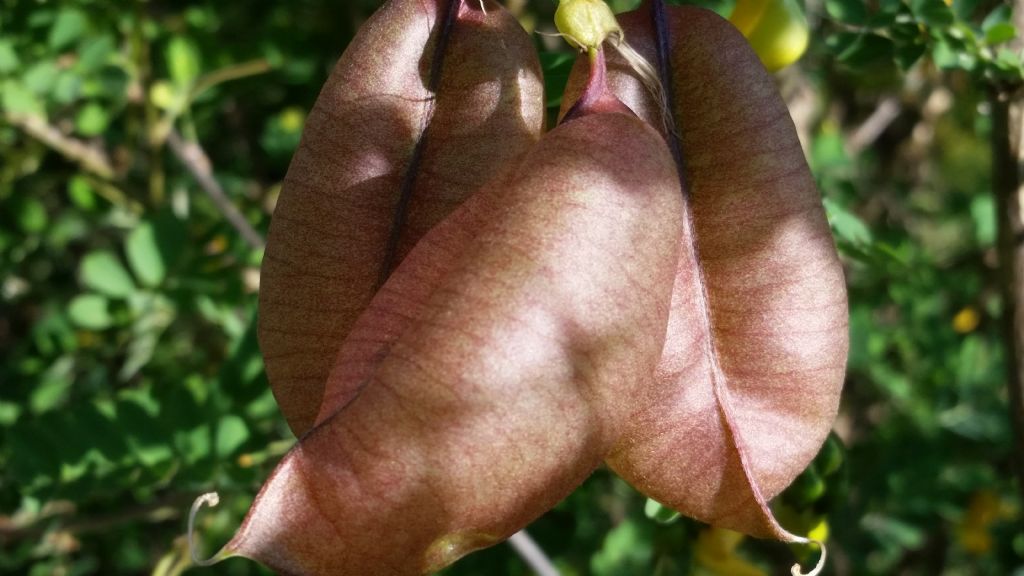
<point>749,382</point>
<point>427,103</point>
<point>540,312</point>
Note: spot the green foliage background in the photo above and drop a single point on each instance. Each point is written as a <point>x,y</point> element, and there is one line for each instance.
<point>130,379</point>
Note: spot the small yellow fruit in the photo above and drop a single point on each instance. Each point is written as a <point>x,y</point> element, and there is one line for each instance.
<point>966,320</point>
<point>776,29</point>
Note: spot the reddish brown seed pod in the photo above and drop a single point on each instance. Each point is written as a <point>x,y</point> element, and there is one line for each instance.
<point>547,302</point>
<point>422,109</point>
<point>754,363</point>
<point>523,338</point>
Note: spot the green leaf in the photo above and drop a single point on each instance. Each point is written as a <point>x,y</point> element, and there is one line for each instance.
<point>983,213</point>
<point>144,256</point>
<point>193,443</point>
<point>829,151</point>
<point>81,193</point>
<point>830,457</point>
<point>32,216</point>
<point>932,12</point>
<point>137,417</point>
<point>846,225</point>
<point>896,532</point>
<point>999,33</point>
<point>807,488</point>
<point>19,100</point>
<point>659,513</point>
<point>626,550</point>
<point>848,11</point>
<point>9,413</point>
<point>68,88</point>
<point>182,61</point>
<point>232,432</point>
<point>908,54</point>
<point>103,272</point>
<point>33,459</point>
<point>140,352</point>
<point>9,61</point>
<point>867,49</point>
<point>949,57</point>
<point>53,389</point>
<point>1008,61</point>
<point>282,132</point>
<point>41,77</point>
<point>1001,14</point>
<point>165,96</point>
<point>90,311</point>
<point>70,25</point>
<point>92,120</point>
<point>95,54</point>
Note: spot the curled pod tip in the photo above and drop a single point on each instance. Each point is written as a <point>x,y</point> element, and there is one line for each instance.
<point>210,499</point>
<point>796,570</point>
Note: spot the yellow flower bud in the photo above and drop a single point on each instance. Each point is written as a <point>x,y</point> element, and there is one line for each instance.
<point>586,24</point>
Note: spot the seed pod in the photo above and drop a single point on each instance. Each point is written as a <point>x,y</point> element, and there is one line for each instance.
<point>749,382</point>
<point>429,101</point>
<point>544,315</point>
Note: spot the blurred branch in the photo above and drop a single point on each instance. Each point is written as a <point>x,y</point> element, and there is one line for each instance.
<point>1007,156</point>
<point>162,509</point>
<point>162,130</point>
<point>90,158</point>
<point>227,74</point>
<point>1006,185</point>
<point>866,134</point>
<point>114,195</point>
<point>532,554</point>
<point>194,158</point>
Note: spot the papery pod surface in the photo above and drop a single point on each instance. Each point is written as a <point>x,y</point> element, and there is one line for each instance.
<point>540,312</point>
<point>428,102</point>
<point>750,378</point>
